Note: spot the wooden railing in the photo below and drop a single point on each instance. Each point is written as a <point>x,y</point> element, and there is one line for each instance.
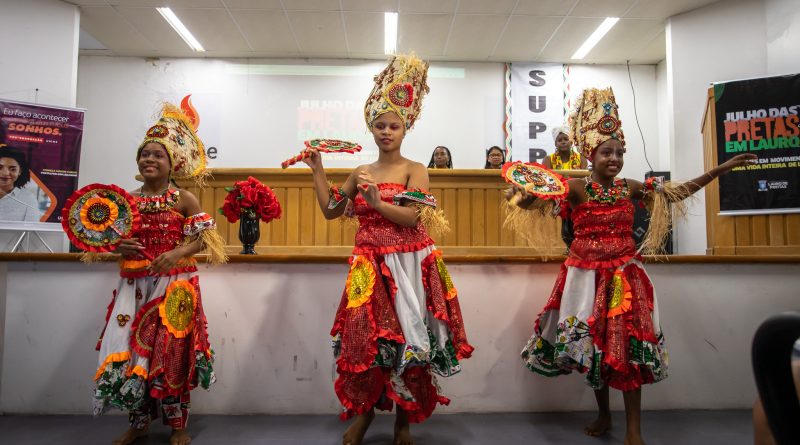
<point>742,235</point>
<point>471,200</point>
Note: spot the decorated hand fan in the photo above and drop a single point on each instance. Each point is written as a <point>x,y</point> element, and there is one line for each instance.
<point>97,217</point>
<point>324,146</point>
<point>536,179</point>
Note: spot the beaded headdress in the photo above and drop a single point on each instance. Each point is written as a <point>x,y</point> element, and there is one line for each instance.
<point>594,120</point>
<point>175,131</point>
<point>399,88</point>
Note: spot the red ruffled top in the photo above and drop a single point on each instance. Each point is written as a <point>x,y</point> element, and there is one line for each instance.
<point>603,235</point>
<point>161,231</point>
<point>379,236</point>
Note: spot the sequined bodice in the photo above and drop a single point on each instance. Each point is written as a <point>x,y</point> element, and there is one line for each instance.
<point>160,232</point>
<point>378,235</point>
<point>603,234</point>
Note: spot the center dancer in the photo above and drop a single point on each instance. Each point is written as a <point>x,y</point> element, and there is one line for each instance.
<point>399,322</point>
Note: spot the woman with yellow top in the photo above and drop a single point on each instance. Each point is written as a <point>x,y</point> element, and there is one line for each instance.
<point>564,157</point>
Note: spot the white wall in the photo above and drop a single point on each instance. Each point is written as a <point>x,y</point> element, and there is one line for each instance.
<point>269,324</point>
<point>646,108</point>
<point>40,52</point>
<point>664,124</point>
<point>249,109</point>
<point>783,36</point>
<point>723,41</point>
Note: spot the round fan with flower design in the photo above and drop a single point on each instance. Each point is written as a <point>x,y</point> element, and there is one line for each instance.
<point>97,217</point>
<point>536,179</point>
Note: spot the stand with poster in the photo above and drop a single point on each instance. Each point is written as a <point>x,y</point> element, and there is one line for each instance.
<point>754,210</point>
<point>39,157</point>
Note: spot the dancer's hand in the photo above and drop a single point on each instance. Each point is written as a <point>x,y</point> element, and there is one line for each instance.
<point>369,189</point>
<point>738,161</point>
<point>129,247</point>
<point>515,189</point>
<point>315,160</point>
<point>165,261</point>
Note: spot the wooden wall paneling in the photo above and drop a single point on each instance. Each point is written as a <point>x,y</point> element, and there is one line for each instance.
<point>322,227</point>
<point>307,213</point>
<point>792,228</point>
<point>470,200</point>
<point>759,231</point>
<point>292,216</point>
<point>449,197</point>
<point>278,232</point>
<point>743,231</point>
<point>494,223</point>
<point>335,230</point>
<point>478,223</point>
<point>777,236</point>
<point>463,211</point>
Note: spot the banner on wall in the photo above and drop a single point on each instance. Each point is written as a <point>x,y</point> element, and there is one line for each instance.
<point>39,160</point>
<point>759,116</point>
<point>537,95</point>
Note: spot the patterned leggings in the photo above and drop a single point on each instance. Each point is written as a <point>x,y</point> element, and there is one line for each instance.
<point>175,412</point>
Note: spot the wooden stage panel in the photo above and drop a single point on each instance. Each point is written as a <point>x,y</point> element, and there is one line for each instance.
<point>470,199</point>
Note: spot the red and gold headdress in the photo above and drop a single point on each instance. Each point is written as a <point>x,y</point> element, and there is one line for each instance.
<point>176,132</point>
<point>594,120</point>
<point>399,88</point>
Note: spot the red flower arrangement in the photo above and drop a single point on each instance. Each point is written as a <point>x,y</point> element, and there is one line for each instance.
<point>250,199</point>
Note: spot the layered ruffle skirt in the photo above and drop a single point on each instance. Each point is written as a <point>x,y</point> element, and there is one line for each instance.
<point>398,326</point>
<point>602,322</point>
<point>155,342</point>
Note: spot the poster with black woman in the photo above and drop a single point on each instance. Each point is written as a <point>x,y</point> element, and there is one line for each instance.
<point>39,156</point>
<point>759,116</point>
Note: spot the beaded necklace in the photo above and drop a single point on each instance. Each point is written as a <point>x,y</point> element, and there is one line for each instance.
<point>157,203</point>
<point>597,193</point>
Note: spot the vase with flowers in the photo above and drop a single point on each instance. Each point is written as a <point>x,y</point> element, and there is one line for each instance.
<point>250,202</point>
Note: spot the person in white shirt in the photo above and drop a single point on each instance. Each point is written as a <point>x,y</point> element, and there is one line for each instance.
<point>16,203</point>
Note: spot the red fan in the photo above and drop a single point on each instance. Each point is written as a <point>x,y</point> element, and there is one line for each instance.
<point>536,179</point>
<point>324,146</point>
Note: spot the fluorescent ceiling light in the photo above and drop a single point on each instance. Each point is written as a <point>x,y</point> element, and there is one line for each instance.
<point>598,34</point>
<point>180,28</point>
<point>389,32</point>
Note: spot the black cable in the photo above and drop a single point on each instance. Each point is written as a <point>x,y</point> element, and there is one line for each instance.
<point>636,114</point>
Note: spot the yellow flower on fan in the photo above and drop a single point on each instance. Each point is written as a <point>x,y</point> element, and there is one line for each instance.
<point>177,308</point>
<point>98,213</point>
<point>360,282</point>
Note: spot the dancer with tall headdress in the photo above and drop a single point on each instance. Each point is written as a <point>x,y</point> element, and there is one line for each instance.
<point>399,323</point>
<point>601,318</point>
<point>154,348</point>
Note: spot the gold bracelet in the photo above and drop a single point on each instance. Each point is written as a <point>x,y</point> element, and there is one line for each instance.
<point>709,175</point>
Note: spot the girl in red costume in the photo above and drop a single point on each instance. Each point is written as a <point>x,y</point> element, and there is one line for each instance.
<point>602,316</point>
<point>399,323</point>
<point>154,348</point>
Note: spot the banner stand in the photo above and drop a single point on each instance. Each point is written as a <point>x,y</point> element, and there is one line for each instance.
<point>28,234</point>
<point>28,230</point>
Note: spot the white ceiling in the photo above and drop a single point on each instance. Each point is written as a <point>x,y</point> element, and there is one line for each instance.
<point>457,30</point>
